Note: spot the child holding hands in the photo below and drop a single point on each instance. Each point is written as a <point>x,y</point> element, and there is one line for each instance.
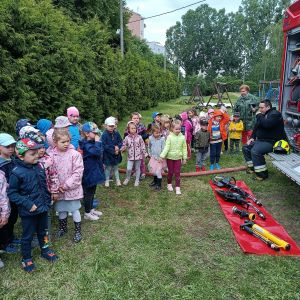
<point>136,150</point>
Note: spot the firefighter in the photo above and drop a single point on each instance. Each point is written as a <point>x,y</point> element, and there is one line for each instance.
<point>246,106</point>
<point>268,129</point>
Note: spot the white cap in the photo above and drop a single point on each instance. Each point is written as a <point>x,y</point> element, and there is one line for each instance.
<point>110,121</point>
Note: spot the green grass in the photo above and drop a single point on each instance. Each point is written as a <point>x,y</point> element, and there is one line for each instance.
<point>151,245</point>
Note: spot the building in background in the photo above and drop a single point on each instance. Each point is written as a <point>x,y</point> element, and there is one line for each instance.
<point>136,25</point>
<point>156,47</point>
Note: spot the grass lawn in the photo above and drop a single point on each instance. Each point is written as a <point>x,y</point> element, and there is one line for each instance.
<point>151,245</point>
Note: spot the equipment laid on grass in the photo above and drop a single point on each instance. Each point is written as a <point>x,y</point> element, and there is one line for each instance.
<point>230,183</point>
<point>243,213</point>
<point>263,239</point>
<point>267,235</point>
<point>239,199</point>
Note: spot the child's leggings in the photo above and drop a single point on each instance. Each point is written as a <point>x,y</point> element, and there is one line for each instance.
<point>108,170</point>
<point>89,193</point>
<point>215,152</point>
<point>143,166</point>
<point>137,166</point>
<point>174,167</point>
<point>75,214</point>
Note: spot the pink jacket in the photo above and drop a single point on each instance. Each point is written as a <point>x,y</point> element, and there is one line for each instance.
<point>135,146</point>
<point>4,202</point>
<point>188,127</point>
<point>51,173</point>
<point>69,166</point>
<point>196,124</point>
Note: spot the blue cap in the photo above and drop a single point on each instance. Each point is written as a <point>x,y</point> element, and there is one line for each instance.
<point>90,127</point>
<point>155,114</point>
<point>20,124</point>
<point>6,139</point>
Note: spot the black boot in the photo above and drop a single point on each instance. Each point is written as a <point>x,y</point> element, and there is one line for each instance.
<point>63,227</point>
<point>77,235</point>
<point>260,176</point>
<point>154,182</point>
<point>158,185</point>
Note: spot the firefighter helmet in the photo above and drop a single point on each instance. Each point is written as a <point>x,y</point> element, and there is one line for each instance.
<point>281,147</point>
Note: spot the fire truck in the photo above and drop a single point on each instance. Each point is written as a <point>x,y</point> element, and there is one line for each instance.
<point>289,97</point>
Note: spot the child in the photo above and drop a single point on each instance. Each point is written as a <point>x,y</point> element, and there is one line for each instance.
<point>223,109</point>
<point>210,113</point>
<point>192,113</point>
<point>20,124</point>
<point>28,190</point>
<point>201,145</point>
<point>112,143</point>
<point>176,153</point>
<point>217,129</point>
<point>43,125</point>
<point>142,131</point>
<point>156,164</point>
<point>7,163</point>
<point>93,173</point>
<point>188,131</point>
<point>136,152</point>
<point>69,165</point>
<point>73,116</point>
<point>165,126</point>
<point>236,128</point>
<point>156,118</point>
<point>4,205</point>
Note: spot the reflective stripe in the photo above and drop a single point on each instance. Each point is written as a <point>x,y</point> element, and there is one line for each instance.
<point>260,168</point>
<point>250,163</point>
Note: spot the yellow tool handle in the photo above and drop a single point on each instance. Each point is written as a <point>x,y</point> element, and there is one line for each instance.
<point>271,237</point>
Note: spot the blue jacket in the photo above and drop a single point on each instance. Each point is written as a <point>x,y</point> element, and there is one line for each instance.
<point>6,166</point>
<point>75,135</point>
<point>93,173</point>
<point>27,186</point>
<point>109,141</point>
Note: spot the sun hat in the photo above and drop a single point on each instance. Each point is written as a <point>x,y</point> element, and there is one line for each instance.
<point>110,121</point>
<point>6,139</point>
<point>62,122</point>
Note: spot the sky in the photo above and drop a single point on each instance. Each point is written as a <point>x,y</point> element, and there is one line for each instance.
<point>156,28</point>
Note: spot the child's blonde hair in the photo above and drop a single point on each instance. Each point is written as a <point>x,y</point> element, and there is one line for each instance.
<point>58,133</point>
<point>155,127</point>
<point>174,123</point>
<point>163,120</point>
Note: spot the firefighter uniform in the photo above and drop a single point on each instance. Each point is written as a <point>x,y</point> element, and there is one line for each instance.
<point>268,129</point>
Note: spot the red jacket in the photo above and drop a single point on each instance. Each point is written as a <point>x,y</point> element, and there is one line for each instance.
<point>224,121</point>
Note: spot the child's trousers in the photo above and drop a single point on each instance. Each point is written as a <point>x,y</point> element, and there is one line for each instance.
<point>215,152</point>
<point>115,170</point>
<point>89,193</point>
<point>234,143</point>
<point>137,166</point>
<point>201,156</point>
<point>174,167</point>
<point>30,225</point>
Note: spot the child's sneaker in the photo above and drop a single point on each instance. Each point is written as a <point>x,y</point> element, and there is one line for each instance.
<point>170,188</point>
<point>211,168</point>
<point>97,213</point>
<point>218,167</point>
<point>178,191</point>
<point>136,183</point>
<point>28,265</point>
<point>11,249</point>
<point>126,181</point>
<point>143,176</point>
<point>203,168</point>
<point>1,263</point>
<point>106,184</point>
<point>198,169</point>
<point>90,216</point>
<point>49,255</point>
<point>118,183</point>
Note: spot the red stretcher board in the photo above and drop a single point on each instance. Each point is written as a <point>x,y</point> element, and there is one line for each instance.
<point>247,242</point>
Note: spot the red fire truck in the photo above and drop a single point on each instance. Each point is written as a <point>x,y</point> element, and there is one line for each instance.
<point>289,98</point>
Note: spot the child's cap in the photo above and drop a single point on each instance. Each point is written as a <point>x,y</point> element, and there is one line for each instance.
<point>6,139</point>
<point>43,125</point>
<point>62,122</point>
<point>236,114</point>
<point>90,127</point>
<point>72,112</point>
<point>211,110</point>
<point>110,121</point>
<point>34,136</point>
<point>155,114</point>
<point>203,122</point>
<point>24,145</point>
<point>20,124</point>
<point>27,129</point>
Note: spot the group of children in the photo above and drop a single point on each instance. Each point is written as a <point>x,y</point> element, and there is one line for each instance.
<point>62,164</point>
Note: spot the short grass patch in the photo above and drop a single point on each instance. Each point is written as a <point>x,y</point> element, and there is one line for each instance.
<point>154,245</point>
